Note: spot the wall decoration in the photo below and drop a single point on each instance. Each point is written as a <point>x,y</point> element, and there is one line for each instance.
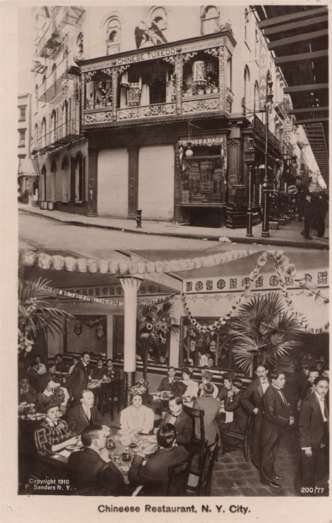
<point>87,333</point>
<point>146,36</point>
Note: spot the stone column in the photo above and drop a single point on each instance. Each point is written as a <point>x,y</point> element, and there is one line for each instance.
<point>130,287</point>
<point>222,78</point>
<point>178,82</point>
<point>114,92</point>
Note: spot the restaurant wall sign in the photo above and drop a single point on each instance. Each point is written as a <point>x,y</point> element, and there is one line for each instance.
<point>266,281</point>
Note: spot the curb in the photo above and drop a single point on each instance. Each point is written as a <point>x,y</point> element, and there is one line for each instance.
<point>190,236</point>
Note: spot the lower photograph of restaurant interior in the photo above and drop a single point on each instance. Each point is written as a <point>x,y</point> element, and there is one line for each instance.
<point>151,374</point>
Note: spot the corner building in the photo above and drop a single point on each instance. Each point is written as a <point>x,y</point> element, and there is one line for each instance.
<point>164,113</point>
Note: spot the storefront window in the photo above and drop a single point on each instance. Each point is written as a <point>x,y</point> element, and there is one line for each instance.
<point>204,349</point>
<point>203,173</point>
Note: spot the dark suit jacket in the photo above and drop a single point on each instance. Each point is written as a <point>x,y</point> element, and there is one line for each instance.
<point>78,421</point>
<point>311,424</point>
<point>176,387</point>
<point>276,414</point>
<point>88,471</point>
<point>252,396</point>
<point>154,473</point>
<point>183,426</point>
<point>211,407</point>
<point>78,380</point>
<point>234,405</point>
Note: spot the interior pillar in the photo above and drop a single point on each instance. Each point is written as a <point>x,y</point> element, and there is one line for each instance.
<point>130,286</point>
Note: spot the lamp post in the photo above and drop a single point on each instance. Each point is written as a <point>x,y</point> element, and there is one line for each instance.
<point>268,102</point>
<point>250,158</point>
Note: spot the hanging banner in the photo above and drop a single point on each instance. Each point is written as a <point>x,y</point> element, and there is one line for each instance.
<point>316,277</point>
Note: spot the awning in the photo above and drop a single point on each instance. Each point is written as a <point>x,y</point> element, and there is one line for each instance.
<point>26,167</point>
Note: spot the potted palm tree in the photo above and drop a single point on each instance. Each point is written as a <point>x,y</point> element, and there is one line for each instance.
<point>263,332</point>
<point>37,314</point>
<point>154,327</point>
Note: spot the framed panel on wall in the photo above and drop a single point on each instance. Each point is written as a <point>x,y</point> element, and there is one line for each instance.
<point>157,352</point>
<point>86,333</point>
<point>204,349</point>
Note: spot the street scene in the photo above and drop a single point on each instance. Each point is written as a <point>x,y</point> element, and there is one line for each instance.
<point>173,283</point>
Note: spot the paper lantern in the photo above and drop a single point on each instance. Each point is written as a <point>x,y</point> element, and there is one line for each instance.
<point>133,269</point>
<point>82,264</point>
<point>141,268</point>
<point>58,262</point>
<point>29,258</point>
<point>70,263</point>
<point>92,266</point>
<point>113,267</point>
<point>150,267</point>
<point>103,266</point>
<point>124,267</point>
<point>44,261</point>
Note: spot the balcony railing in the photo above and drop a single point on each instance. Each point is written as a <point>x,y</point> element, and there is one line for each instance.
<point>60,135</point>
<point>195,82</point>
<point>53,84</point>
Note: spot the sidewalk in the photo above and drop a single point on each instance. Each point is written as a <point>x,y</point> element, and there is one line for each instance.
<point>288,235</point>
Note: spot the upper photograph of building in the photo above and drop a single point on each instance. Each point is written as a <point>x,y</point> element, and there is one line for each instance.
<point>190,123</point>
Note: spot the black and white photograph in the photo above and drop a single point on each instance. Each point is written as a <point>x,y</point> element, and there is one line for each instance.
<point>173,251</point>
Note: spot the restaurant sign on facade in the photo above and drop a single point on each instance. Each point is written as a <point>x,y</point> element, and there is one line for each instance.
<point>266,281</point>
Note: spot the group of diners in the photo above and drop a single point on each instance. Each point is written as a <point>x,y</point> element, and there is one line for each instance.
<point>229,409</point>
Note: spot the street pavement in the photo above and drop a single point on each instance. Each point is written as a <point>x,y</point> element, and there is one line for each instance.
<point>42,228</point>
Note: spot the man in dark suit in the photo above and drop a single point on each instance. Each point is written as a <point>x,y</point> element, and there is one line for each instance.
<point>79,417</point>
<point>170,383</point>
<point>181,420</point>
<point>313,430</point>
<point>79,377</point>
<point>276,418</point>
<point>154,473</point>
<point>235,418</point>
<point>90,469</point>
<point>226,387</point>
<point>252,401</point>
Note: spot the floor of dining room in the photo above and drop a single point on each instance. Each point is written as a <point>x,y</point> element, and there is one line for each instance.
<point>233,475</point>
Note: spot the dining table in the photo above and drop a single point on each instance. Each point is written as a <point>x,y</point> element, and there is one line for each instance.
<point>121,449</point>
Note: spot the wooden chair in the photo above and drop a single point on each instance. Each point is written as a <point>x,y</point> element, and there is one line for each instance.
<point>177,479</point>
<point>198,443</point>
<point>111,396</point>
<point>241,437</point>
<point>200,482</point>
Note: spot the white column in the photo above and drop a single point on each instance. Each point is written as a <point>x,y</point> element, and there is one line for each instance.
<point>130,287</point>
<point>109,353</point>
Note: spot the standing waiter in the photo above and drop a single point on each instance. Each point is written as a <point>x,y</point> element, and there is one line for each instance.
<point>277,417</point>
<point>314,438</point>
<point>252,401</point>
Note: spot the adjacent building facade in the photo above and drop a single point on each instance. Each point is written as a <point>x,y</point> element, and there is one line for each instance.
<point>157,108</point>
<point>26,176</point>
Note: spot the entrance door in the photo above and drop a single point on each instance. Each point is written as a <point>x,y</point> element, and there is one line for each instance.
<point>113,182</point>
<point>156,182</point>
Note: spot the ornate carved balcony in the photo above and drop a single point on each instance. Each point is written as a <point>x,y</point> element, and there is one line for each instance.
<point>167,81</point>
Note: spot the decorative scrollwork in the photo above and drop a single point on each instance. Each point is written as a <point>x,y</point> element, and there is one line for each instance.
<point>199,106</point>
<point>102,117</point>
<point>214,51</point>
<point>189,56</point>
